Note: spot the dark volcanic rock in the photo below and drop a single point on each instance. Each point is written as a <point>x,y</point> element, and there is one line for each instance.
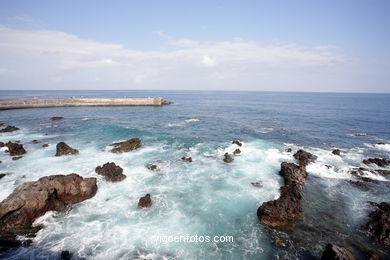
<point>333,252</point>
<point>336,152</point>
<point>64,149</point>
<point>152,167</point>
<point>45,145</point>
<point>257,184</point>
<point>15,149</point>
<point>304,158</point>
<point>111,172</point>
<point>378,227</point>
<point>378,161</point>
<point>237,142</point>
<point>2,144</point>
<point>287,208</point>
<point>145,201</point>
<point>33,199</point>
<point>8,129</point>
<point>227,158</point>
<point>237,151</point>
<point>289,150</point>
<point>54,118</point>
<point>2,175</point>
<point>126,146</point>
<point>186,159</point>
<point>66,255</point>
<point>17,158</point>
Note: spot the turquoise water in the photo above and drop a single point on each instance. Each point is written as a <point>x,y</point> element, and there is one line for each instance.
<point>207,196</point>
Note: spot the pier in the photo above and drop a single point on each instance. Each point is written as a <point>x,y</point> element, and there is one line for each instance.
<point>16,103</point>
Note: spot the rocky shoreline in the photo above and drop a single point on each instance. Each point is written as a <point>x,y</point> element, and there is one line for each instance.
<point>59,192</point>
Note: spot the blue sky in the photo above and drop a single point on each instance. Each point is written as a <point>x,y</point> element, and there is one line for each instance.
<point>341,46</point>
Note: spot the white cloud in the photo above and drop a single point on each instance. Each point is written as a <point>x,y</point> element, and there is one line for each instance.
<point>208,61</point>
<point>44,57</point>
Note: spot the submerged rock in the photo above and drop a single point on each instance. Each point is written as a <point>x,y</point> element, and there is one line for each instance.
<point>9,129</point>
<point>287,208</point>
<point>66,255</point>
<point>17,158</point>
<point>33,199</point>
<point>111,172</point>
<point>145,201</point>
<point>2,144</point>
<point>288,150</point>
<point>45,145</point>
<point>237,151</point>
<point>378,161</point>
<point>333,252</point>
<point>15,149</point>
<point>304,158</point>
<point>35,142</point>
<point>336,151</point>
<point>2,175</point>
<point>152,167</point>
<point>64,149</point>
<point>237,142</point>
<point>257,184</point>
<point>227,158</point>
<point>378,228</point>
<point>126,146</point>
<point>186,159</point>
<point>54,118</point>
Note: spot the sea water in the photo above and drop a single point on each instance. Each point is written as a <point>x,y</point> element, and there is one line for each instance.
<point>206,197</point>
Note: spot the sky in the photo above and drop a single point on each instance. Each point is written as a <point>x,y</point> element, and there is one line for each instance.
<point>275,45</point>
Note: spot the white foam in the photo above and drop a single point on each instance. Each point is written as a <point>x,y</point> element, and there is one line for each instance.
<point>191,120</point>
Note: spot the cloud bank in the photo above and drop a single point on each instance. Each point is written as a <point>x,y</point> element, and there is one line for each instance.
<point>44,59</point>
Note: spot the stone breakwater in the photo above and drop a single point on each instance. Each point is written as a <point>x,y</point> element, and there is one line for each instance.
<point>14,103</point>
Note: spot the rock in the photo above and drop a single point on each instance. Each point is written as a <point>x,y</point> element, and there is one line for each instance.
<point>304,158</point>
<point>2,124</point>
<point>378,228</point>
<point>54,118</point>
<point>186,159</point>
<point>287,208</point>
<point>378,161</point>
<point>35,142</point>
<point>333,252</point>
<point>33,199</point>
<point>2,175</point>
<point>45,145</point>
<point>66,255</point>
<point>237,142</point>
<point>257,184</point>
<point>64,149</point>
<point>111,172</point>
<point>279,243</point>
<point>126,146</point>
<point>383,172</point>
<point>328,166</point>
<point>227,158</point>
<point>9,129</point>
<point>2,144</point>
<point>288,150</point>
<point>359,134</point>
<point>17,158</point>
<point>15,149</point>
<point>383,143</point>
<point>336,152</point>
<point>152,167</point>
<point>145,201</point>
<point>237,151</point>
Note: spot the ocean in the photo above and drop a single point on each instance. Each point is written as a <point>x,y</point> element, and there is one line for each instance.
<point>206,197</point>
